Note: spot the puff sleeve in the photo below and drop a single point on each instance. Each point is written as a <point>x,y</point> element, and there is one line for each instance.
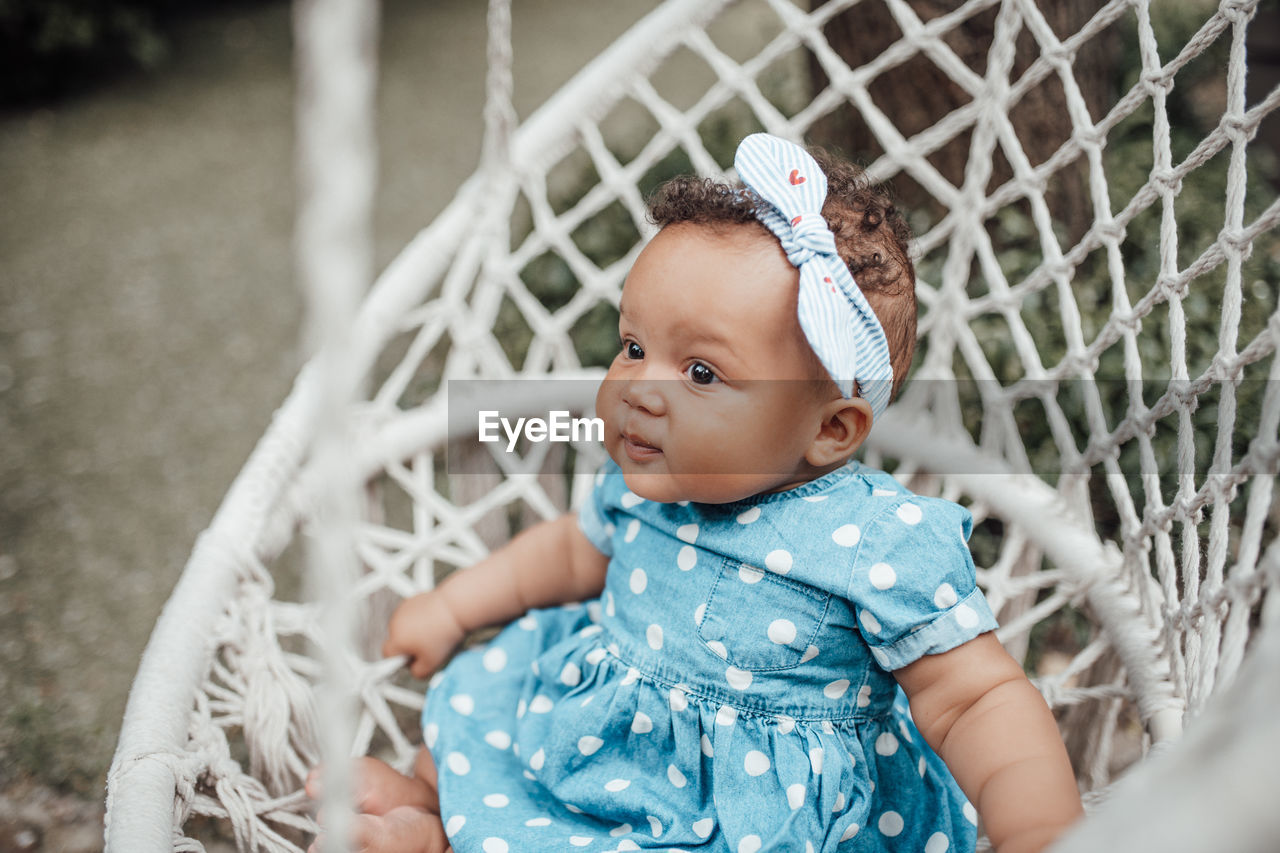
<point>595,515</point>
<point>913,582</point>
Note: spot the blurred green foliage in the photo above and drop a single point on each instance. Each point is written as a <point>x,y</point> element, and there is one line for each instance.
<point>50,49</point>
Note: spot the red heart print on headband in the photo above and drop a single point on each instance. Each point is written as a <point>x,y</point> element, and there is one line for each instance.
<point>796,178</point>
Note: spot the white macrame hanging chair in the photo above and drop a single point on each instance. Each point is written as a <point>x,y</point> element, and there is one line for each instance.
<point>1107,402</point>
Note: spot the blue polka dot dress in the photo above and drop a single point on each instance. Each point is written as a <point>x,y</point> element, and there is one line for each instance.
<point>730,690</point>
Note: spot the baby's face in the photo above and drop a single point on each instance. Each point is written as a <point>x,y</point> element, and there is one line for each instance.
<point>715,395</point>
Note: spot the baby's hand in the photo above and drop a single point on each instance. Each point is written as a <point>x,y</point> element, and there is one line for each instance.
<point>424,628</point>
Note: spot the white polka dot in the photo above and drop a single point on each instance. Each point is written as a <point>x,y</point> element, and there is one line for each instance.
<point>864,695</point>
<point>813,499</point>
<point>655,826</point>
<point>829,728</point>
<point>572,808</point>
<point>937,843</point>
<point>540,705</point>
<point>494,845</point>
<point>454,824</point>
<point>945,597</point>
<point>839,804</point>
<point>902,727</point>
<point>785,724</point>
<point>749,515</point>
<point>808,847</point>
<point>848,535</point>
<point>881,656</point>
<point>699,612</point>
<point>749,844</point>
<point>909,513</point>
<point>836,689</point>
<point>609,530</point>
<point>702,828</point>
<point>727,715</point>
<point>883,493</point>
<point>870,623</point>
<point>621,829</point>
<point>633,530</point>
<point>593,613</point>
<point>521,707</point>
<point>782,631</point>
<point>627,844</point>
<point>588,744</point>
<point>613,786</point>
<point>632,676</point>
<point>462,703</point>
<point>970,813</point>
<point>779,561</point>
<point>815,759</point>
<point>497,801</point>
<point>749,574</point>
<point>882,576</point>
<point>849,832</point>
<point>580,840</point>
<point>639,580</point>
<point>596,655</point>
<point>921,767</point>
<point>641,724</point>
<point>430,733</point>
<point>795,795</point>
<point>705,743</point>
<point>687,533</point>
<point>678,699</point>
<point>528,623</point>
<point>494,660</point>
<point>630,499</point>
<point>653,634</point>
<point>610,608</point>
<point>571,675</point>
<point>966,616</point>
<point>458,763</point>
<point>687,558</point>
<point>739,679</point>
<point>498,739</point>
<point>886,744</point>
<point>756,763</point>
<point>809,654</point>
<point>538,821</point>
<point>675,776</point>
<point>537,760</point>
<point>891,823</point>
<point>719,648</point>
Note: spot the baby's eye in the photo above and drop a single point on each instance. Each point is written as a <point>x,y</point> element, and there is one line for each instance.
<point>701,374</point>
<point>632,350</point>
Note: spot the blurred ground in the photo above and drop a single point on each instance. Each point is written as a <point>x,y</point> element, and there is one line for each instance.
<point>149,326</point>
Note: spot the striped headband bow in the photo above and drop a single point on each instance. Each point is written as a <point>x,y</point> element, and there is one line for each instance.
<point>836,318</point>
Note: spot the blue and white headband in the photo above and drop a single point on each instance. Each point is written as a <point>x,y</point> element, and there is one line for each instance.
<point>835,317</point>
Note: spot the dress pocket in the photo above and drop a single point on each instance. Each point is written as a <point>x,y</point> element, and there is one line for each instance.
<point>758,620</point>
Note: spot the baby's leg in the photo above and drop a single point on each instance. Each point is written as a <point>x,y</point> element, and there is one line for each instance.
<point>378,788</point>
<point>399,814</point>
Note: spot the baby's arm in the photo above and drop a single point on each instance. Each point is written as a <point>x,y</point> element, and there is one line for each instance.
<point>991,726</point>
<point>550,563</point>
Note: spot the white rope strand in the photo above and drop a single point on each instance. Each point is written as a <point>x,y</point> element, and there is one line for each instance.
<point>336,69</point>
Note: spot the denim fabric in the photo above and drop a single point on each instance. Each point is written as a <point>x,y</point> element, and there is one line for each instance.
<point>730,690</point>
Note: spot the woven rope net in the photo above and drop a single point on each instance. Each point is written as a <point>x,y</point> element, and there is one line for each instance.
<point>1096,376</point>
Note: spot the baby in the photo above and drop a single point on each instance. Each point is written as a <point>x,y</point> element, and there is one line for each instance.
<point>760,608</point>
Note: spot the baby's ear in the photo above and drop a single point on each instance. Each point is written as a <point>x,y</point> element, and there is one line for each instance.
<point>846,422</point>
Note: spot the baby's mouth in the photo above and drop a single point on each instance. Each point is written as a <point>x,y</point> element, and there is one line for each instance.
<point>639,450</point>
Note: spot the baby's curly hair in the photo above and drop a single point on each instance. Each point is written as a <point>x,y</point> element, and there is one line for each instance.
<point>871,237</point>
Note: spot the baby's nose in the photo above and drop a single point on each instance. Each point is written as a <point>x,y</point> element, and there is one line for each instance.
<point>646,395</point>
